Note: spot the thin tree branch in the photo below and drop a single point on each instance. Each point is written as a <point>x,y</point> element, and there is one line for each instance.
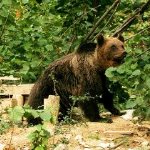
<point>139,32</point>
<point>106,22</point>
<point>148,50</point>
<point>130,20</point>
<point>99,21</point>
<point>78,20</point>
<point>4,25</point>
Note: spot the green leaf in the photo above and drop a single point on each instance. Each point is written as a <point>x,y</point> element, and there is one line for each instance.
<point>42,41</point>
<point>34,113</point>
<point>25,69</point>
<point>25,1</point>
<point>109,72</point>
<point>49,47</point>
<point>46,115</point>
<point>35,63</point>
<point>16,114</point>
<point>121,70</point>
<point>147,67</point>
<point>136,73</point>
<point>30,112</point>
<point>27,45</point>
<point>7,2</point>
<point>1,22</point>
<point>39,127</point>
<point>130,104</point>
<point>138,51</point>
<point>134,66</point>
<point>148,82</point>
<point>12,28</point>
<point>39,148</point>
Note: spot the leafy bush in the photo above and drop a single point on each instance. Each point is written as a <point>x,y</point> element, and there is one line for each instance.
<point>39,138</point>
<point>4,125</point>
<point>29,34</point>
<point>17,113</point>
<point>134,75</point>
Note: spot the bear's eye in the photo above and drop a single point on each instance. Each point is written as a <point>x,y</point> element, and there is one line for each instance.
<point>113,47</point>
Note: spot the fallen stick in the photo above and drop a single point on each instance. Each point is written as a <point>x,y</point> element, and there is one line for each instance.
<point>116,146</point>
<point>119,132</point>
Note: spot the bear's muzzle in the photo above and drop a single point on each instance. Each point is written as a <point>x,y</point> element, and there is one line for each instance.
<point>120,59</point>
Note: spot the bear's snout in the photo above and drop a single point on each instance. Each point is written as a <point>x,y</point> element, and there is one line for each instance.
<point>119,58</point>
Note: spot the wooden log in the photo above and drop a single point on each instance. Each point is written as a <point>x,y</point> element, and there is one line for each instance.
<point>52,104</point>
<point>9,78</point>
<point>17,100</point>
<point>13,102</point>
<point>23,89</point>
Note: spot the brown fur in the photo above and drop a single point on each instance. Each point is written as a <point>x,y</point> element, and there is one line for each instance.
<point>79,73</point>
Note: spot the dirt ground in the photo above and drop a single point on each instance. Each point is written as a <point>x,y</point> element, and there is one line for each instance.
<point>122,134</point>
<point>119,135</point>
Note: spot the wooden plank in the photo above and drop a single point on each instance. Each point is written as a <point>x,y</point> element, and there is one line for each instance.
<point>23,89</point>
<point>9,78</point>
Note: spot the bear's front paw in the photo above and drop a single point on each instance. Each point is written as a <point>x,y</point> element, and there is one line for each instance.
<point>117,112</point>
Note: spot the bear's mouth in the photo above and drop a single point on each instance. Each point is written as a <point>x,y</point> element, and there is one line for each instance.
<point>120,59</point>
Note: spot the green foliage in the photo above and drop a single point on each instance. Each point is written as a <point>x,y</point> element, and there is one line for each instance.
<point>17,113</point>
<point>29,33</point>
<point>39,138</point>
<point>4,125</point>
<point>134,75</point>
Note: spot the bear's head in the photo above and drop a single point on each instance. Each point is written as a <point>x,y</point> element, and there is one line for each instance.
<point>110,51</point>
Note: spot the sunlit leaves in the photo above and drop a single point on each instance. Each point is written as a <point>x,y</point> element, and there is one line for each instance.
<point>39,138</point>
<point>136,72</point>
<point>25,1</point>
<point>7,2</point>
<point>148,82</point>
<point>28,39</point>
<point>109,73</point>
<point>134,76</point>
<point>1,22</point>
<point>16,114</point>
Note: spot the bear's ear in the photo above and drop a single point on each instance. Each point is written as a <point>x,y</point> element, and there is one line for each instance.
<point>100,40</point>
<point>120,37</point>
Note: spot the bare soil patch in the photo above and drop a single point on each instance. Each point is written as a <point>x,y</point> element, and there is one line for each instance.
<point>119,135</point>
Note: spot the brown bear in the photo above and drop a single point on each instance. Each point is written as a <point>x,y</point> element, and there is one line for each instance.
<point>81,73</point>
